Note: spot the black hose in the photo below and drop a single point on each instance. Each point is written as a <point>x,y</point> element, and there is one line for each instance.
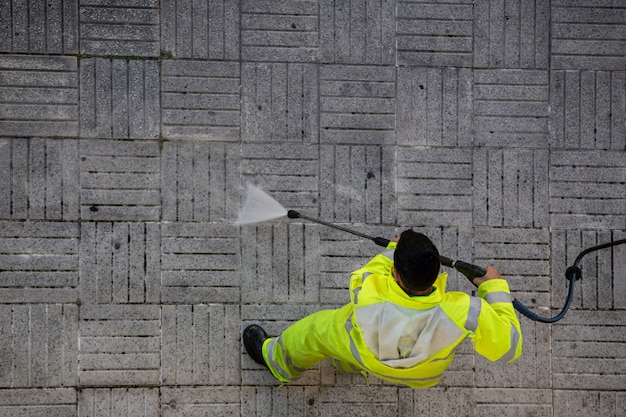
<point>528,313</point>
<point>573,273</point>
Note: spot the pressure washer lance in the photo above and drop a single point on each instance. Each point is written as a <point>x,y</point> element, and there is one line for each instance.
<point>467,269</point>
<point>572,273</point>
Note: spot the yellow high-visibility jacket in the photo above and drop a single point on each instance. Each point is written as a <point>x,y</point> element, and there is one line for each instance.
<point>412,339</point>
<point>396,337</point>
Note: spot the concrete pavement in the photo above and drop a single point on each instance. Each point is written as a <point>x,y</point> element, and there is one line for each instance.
<point>128,130</point>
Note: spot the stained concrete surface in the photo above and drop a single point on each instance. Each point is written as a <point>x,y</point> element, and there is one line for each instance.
<point>128,130</point>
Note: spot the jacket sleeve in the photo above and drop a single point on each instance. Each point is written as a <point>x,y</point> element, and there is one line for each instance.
<point>498,335</point>
<point>380,264</point>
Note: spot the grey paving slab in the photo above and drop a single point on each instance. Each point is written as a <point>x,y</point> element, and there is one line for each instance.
<point>512,34</point>
<point>522,256</point>
<point>441,402</point>
<point>39,179</point>
<point>511,108</point>
<point>39,346</point>
<point>519,402</point>
<point>433,186</point>
<point>358,400</point>
<point>587,109</point>
<point>216,401</point>
<point>200,181</point>
<point>586,35</point>
<point>119,29</point>
<point>511,187</point>
<point>285,401</point>
<point>587,350</point>
<point>278,102</point>
<point>38,96</point>
<point>38,402</point>
<point>434,34</point>
<point>287,171</point>
<point>200,263</point>
<point>119,98</point>
<point>365,194</point>
<point>200,100</point>
<point>279,31</point>
<point>119,346</point>
<point>39,27</point>
<point>284,271</point>
<point>357,104</point>
<point>567,403</point>
<point>201,30</point>
<point>360,34</point>
<point>120,263</point>
<point>434,106</point>
<point>39,262</point>
<point>119,180</point>
<point>587,189</point>
<point>199,346</point>
<point>123,402</point>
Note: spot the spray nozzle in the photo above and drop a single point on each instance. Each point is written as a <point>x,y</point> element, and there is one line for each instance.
<point>292,214</point>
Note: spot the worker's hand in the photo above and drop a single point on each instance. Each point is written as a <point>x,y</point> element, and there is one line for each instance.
<point>395,239</point>
<point>492,273</point>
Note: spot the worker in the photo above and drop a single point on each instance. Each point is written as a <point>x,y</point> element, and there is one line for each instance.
<point>400,325</point>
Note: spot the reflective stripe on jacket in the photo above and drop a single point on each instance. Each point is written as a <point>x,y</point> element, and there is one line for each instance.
<point>412,340</point>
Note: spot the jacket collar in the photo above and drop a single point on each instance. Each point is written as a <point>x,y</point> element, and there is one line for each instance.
<point>401,297</point>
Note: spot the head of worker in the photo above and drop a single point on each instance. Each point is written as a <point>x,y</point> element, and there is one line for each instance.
<point>416,262</point>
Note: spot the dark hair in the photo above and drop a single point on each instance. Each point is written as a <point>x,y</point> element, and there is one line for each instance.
<point>417,260</point>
